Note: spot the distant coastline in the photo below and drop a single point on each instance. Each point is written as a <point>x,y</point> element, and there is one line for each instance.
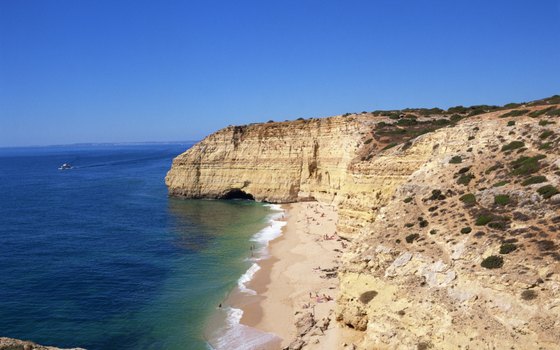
<point>104,144</point>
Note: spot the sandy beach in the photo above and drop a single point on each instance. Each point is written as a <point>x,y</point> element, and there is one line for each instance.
<point>297,286</point>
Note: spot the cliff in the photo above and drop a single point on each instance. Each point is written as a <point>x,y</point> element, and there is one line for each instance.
<point>453,216</point>
<point>274,162</point>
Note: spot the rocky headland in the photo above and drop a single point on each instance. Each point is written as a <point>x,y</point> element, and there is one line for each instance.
<point>452,217</point>
<point>16,344</point>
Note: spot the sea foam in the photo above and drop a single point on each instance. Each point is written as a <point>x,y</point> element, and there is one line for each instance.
<point>240,337</point>
<point>236,335</point>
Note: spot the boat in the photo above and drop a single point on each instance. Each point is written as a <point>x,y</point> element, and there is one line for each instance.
<point>65,166</point>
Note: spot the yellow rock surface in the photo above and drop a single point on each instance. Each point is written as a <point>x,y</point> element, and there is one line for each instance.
<point>430,292</point>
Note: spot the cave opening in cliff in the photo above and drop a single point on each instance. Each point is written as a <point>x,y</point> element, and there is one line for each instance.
<point>236,193</point>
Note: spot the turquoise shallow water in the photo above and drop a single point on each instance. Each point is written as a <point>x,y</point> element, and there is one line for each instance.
<point>100,257</point>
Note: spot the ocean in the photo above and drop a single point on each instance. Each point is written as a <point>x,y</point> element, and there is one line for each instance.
<point>100,257</point>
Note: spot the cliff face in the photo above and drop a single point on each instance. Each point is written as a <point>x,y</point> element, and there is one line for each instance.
<point>463,201</point>
<point>455,232</point>
<point>274,162</point>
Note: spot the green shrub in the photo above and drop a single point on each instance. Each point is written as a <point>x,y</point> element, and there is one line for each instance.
<point>483,220</point>
<point>494,167</point>
<point>500,184</point>
<point>511,123</point>
<point>513,145</point>
<point>497,225</point>
<point>528,294</point>
<point>412,237</point>
<point>512,105</point>
<point>408,200</point>
<point>456,160</point>
<point>534,180</point>
<point>480,109</point>
<point>368,141</point>
<point>466,230</point>
<point>468,198</point>
<point>547,191</point>
<point>501,199</point>
<point>442,122</point>
<point>492,262</point>
<point>546,145</point>
<point>540,112</point>
<point>407,121</point>
<point>526,165</point>
<point>507,248</point>
<point>409,224</point>
<point>433,231</point>
<point>437,195</point>
<point>465,179</point>
<point>455,118</point>
<point>544,122</point>
<point>515,113</point>
<point>546,134</point>
<point>457,109</point>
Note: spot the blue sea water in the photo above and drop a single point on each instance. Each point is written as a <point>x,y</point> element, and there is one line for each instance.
<point>99,257</point>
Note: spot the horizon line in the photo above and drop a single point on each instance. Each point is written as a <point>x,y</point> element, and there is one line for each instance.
<point>126,143</point>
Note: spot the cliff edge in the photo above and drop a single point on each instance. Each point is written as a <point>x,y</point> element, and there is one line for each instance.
<point>453,216</point>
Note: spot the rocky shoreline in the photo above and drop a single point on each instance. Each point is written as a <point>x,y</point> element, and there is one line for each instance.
<point>16,344</point>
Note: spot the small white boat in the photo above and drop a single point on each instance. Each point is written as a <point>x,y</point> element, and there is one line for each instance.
<point>65,166</point>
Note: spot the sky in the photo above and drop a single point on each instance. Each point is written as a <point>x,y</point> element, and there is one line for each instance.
<point>132,71</point>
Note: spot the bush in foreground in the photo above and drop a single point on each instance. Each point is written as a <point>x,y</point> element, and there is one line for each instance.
<point>507,248</point>
<point>465,179</point>
<point>547,191</point>
<point>534,180</point>
<point>501,199</point>
<point>492,262</point>
<point>528,294</point>
<point>456,160</point>
<point>468,198</point>
<point>513,145</point>
<point>526,165</point>
<point>483,220</point>
<point>412,237</point>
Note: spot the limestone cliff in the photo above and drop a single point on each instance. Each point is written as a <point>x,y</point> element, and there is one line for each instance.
<point>453,215</point>
<point>274,162</point>
<point>425,257</point>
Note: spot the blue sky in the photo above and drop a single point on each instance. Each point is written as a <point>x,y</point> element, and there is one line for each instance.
<point>125,71</point>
